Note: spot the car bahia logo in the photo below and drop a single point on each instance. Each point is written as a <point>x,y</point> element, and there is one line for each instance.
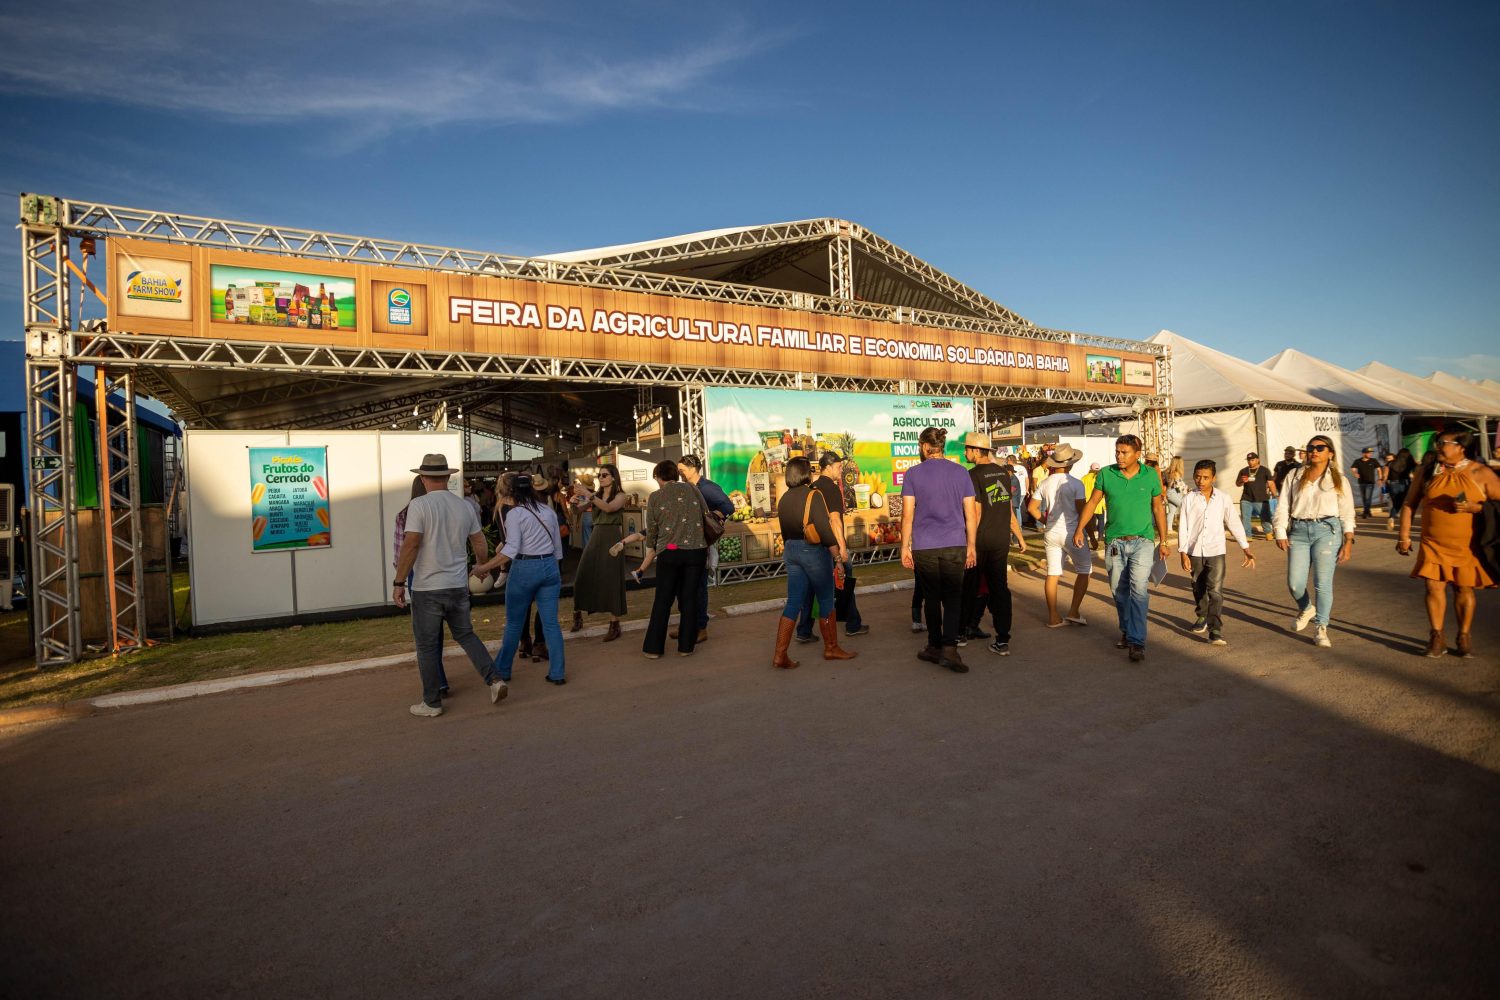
<point>942,404</point>
<point>398,307</point>
<point>153,286</point>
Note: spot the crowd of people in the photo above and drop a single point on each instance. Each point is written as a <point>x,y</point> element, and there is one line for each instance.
<point>957,529</point>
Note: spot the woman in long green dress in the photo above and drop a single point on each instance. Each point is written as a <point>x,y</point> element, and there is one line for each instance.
<point>599,584</point>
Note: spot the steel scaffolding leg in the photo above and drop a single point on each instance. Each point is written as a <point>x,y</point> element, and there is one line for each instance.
<point>120,510</point>
<point>51,394</point>
<point>690,405</point>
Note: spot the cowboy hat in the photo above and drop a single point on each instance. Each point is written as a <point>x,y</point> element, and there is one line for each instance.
<point>434,464</point>
<point>974,439</point>
<point>1063,456</point>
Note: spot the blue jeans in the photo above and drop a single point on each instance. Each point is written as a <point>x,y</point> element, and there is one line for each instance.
<point>1397,490</point>
<point>1318,543</point>
<point>1248,508</point>
<point>430,609</point>
<point>809,574</point>
<point>1367,495</point>
<point>532,580</point>
<point>1129,561</point>
<point>852,620</point>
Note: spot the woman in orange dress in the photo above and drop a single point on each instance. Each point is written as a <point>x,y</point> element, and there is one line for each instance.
<point>1449,492</point>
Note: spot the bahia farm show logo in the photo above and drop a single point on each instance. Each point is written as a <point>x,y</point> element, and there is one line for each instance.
<point>398,306</point>
<point>153,286</point>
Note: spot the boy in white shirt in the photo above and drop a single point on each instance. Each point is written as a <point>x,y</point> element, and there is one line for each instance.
<point>1205,514</point>
<point>1056,507</point>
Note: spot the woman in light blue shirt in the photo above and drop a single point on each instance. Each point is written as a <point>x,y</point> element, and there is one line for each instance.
<point>533,546</point>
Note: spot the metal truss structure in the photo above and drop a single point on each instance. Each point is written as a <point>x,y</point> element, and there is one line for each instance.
<point>259,375</point>
<point>120,510</point>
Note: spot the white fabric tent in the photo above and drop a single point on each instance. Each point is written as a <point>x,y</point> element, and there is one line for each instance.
<point>1466,398</point>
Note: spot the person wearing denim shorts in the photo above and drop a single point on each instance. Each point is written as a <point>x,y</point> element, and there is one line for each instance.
<point>1315,528</point>
<point>1135,538</point>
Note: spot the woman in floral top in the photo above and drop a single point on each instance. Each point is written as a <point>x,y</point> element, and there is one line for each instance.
<point>675,542</point>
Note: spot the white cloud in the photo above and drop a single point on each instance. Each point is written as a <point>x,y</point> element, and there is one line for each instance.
<point>370,67</point>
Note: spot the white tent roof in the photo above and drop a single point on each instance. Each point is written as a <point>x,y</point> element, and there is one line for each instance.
<point>1467,399</point>
<point>1203,377</point>
<point>1340,387</point>
<point>1486,392</point>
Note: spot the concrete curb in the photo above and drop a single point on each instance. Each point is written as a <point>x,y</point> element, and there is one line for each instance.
<point>271,678</point>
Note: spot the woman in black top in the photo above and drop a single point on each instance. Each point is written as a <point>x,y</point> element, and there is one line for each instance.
<point>809,566</point>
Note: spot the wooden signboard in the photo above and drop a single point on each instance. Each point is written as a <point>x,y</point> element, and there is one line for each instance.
<point>289,300</point>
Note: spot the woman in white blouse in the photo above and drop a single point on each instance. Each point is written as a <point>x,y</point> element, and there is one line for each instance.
<point>1315,526</point>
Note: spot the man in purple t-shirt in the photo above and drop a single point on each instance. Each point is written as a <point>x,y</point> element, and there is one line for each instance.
<point>939,519</point>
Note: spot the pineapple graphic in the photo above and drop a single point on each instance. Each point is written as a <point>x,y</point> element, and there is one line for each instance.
<point>845,444</point>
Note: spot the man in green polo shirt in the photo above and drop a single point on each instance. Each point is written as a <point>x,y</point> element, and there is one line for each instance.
<point>1134,538</point>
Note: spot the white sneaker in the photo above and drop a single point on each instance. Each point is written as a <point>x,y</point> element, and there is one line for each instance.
<point>1300,622</point>
<point>498,691</point>
<point>422,710</point>
<point>918,627</point>
<point>1321,637</point>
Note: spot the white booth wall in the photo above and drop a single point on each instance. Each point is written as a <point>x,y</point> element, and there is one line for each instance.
<point>369,481</point>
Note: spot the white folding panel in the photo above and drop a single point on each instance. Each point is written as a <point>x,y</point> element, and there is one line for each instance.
<point>347,574</point>
<point>1349,430</point>
<point>369,480</point>
<point>230,583</point>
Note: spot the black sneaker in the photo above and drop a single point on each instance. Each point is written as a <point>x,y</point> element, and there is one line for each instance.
<point>962,640</point>
<point>862,630</point>
<point>1216,639</point>
<point>1121,643</point>
<point>978,633</point>
<point>1199,627</point>
<point>802,638</point>
<point>1000,648</point>
<point>1137,654</point>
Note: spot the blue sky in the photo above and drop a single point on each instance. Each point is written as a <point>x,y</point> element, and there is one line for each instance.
<point>1317,174</point>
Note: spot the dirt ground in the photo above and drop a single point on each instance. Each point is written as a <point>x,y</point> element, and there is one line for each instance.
<point>1261,820</point>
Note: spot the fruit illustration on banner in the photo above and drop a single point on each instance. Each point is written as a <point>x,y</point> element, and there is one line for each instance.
<point>257,528</point>
<point>258,493</point>
<point>323,516</point>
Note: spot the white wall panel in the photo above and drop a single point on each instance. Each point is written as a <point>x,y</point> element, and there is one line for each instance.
<point>230,583</point>
<point>348,573</point>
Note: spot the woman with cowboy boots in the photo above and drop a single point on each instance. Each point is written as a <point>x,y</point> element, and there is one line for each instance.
<point>809,563</point>
<point>1449,492</point>
<point>599,584</point>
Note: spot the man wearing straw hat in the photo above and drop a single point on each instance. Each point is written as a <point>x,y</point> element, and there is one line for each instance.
<point>437,526</point>
<point>1057,507</point>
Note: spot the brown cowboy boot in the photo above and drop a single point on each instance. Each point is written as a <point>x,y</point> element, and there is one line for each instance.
<point>1436,645</point>
<point>1465,647</point>
<point>784,629</point>
<point>577,622</point>
<point>829,626</point>
<point>614,631</point>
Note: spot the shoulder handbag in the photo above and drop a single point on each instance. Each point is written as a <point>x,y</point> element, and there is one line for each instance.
<point>809,529</point>
<point>713,527</point>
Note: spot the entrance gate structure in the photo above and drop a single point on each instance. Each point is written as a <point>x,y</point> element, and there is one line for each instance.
<point>826,272</point>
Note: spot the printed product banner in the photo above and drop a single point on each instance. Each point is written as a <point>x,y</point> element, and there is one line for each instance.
<point>154,287</point>
<point>289,499</point>
<point>258,297</point>
<point>752,433</point>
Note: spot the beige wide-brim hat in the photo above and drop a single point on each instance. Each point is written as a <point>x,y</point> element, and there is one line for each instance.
<point>1063,457</point>
<point>974,439</point>
<point>434,464</point>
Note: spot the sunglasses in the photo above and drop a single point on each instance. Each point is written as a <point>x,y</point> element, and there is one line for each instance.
<point>1442,443</point>
<point>1317,447</point>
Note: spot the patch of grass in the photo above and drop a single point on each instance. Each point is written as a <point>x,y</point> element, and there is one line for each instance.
<point>234,653</point>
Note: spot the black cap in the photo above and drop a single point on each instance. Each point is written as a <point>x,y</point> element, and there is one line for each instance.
<point>1252,455</point>
<point>522,480</point>
<point>1367,449</point>
<point>829,458</point>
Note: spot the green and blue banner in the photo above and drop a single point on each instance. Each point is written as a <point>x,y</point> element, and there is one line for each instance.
<point>289,506</point>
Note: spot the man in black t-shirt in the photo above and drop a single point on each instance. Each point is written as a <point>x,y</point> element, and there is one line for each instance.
<point>997,522</point>
<point>830,483</point>
<point>1367,471</point>
<point>1285,468</point>
<point>1257,489</point>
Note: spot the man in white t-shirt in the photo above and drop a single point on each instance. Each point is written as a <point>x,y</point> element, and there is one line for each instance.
<point>1057,506</point>
<point>437,527</point>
